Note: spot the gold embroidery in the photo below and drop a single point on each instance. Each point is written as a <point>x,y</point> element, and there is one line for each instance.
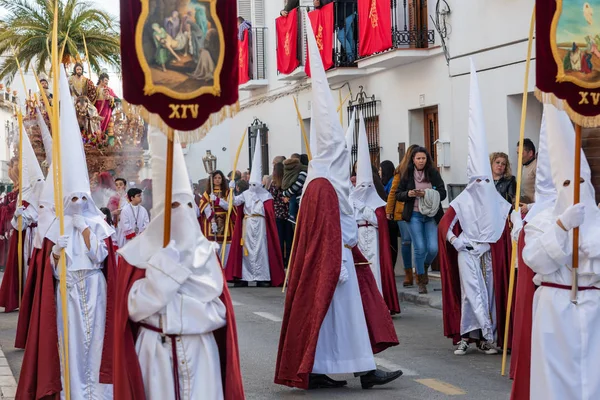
<point>320,38</point>
<point>287,44</point>
<point>373,14</point>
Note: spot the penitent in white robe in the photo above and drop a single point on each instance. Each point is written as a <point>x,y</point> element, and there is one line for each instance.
<point>255,264</point>
<point>86,299</point>
<point>565,340</point>
<point>30,217</point>
<point>478,308</point>
<point>343,345</point>
<point>132,218</point>
<point>368,240</point>
<point>171,296</point>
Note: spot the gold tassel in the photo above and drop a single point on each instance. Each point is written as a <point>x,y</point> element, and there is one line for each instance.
<point>582,120</point>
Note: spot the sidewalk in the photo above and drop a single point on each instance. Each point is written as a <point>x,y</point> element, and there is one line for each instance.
<point>432,299</point>
<point>8,384</point>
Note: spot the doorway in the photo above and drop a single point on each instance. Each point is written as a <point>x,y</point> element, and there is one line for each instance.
<point>431,131</point>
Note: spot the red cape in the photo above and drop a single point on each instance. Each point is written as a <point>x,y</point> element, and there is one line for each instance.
<point>128,382</point>
<point>315,270</point>
<point>40,372</point>
<point>9,290</point>
<point>520,361</point>
<point>388,278</point>
<point>451,293</point>
<point>233,268</point>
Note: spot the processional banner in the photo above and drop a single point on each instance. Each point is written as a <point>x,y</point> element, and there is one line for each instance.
<point>568,58</point>
<point>322,25</point>
<point>243,65</point>
<point>374,31</point>
<point>287,42</point>
<point>180,60</point>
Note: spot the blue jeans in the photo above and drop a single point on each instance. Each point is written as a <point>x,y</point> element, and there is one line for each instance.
<point>423,232</point>
<point>346,37</point>
<point>406,244</point>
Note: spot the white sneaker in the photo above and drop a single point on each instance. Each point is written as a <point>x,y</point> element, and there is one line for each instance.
<point>487,348</point>
<point>463,346</point>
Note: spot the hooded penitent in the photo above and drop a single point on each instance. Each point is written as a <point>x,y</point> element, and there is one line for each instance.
<point>350,134</point>
<point>256,190</point>
<point>33,177</point>
<point>364,193</point>
<point>46,136</point>
<point>481,210</point>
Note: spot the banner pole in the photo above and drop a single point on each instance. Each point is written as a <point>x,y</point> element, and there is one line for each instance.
<point>576,199</point>
<point>169,188</point>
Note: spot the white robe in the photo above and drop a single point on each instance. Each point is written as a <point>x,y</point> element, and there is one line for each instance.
<point>478,307</point>
<point>168,297</point>
<point>565,341</point>
<point>255,265</point>
<point>132,217</point>
<point>118,226</point>
<point>343,345</point>
<point>30,216</point>
<point>86,299</point>
<point>368,240</point>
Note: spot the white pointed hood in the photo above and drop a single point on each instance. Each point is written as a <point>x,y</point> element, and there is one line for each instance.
<point>46,210</point>
<point>481,210</point>
<point>46,136</point>
<point>545,192</point>
<point>364,193</point>
<point>33,177</point>
<point>256,190</point>
<point>196,251</point>
<point>350,134</point>
<point>328,144</point>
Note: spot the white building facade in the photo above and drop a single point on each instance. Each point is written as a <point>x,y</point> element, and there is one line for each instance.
<point>415,93</point>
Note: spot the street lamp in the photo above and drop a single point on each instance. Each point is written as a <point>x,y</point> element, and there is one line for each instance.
<point>210,166</point>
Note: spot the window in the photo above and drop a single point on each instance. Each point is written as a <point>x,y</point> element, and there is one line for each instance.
<point>259,128</point>
<point>368,107</point>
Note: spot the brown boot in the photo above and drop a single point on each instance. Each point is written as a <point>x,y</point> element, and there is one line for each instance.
<point>422,284</point>
<point>426,275</point>
<point>408,278</point>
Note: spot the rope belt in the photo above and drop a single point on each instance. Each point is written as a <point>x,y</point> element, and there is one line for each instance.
<point>348,246</point>
<point>565,287</point>
<point>365,225</point>
<point>175,360</point>
<point>34,225</point>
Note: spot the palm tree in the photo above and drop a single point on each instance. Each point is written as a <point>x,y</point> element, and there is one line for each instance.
<point>27,31</point>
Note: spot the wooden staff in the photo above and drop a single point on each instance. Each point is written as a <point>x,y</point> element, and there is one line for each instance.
<point>342,104</point>
<point>22,75</point>
<point>513,259</point>
<point>576,199</point>
<point>169,188</point>
<point>20,204</point>
<point>230,199</point>
<point>304,136</point>
<point>44,97</point>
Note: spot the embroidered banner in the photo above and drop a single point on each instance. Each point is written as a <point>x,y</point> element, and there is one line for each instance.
<point>243,64</point>
<point>322,25</point>
<point>375,26</point>
<point>179,60</point>
<point>287,42</point>
<point>568,58</point>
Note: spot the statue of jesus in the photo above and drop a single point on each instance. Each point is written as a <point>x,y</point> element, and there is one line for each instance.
<point>80,85</point>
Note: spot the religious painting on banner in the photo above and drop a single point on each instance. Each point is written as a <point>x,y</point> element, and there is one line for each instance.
<point>568,57</point>
<point>287,42</point>
<point>244,73</point>
<point>375,31</point>
<point>180,59</point>
<point>321,21</point>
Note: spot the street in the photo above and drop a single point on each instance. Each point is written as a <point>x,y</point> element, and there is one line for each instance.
<point>431,370</point>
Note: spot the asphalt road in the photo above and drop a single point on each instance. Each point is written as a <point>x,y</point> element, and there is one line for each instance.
<point>431,370</point>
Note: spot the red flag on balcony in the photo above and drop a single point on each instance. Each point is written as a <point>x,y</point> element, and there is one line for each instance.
<point>287,42</point>
<point>182,90</point>
<point>568,60</point>
<point>374,26</point>
<point>243,59</point>
<point>322,25</point>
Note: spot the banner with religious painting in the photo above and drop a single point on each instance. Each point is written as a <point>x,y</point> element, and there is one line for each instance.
<point>374,31</point>
<point>287,42</point>
<point>322,25</point>
<point>568,57</point>
<point>180,61</point>
<point>243,64</point>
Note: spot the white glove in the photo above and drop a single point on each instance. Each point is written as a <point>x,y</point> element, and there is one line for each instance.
<point>213,198</point>
<point>343,274</point>
<point>2,237</point>
<point>61,243</point>
<point>19,211</point>
<point>517,221</point>
<point>79,223</point>
<point>459,244</point>
<point>232,185</point>
<point>214,226</point>
<point>573,216</point>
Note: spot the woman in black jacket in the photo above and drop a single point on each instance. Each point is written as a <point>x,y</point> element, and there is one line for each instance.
<point>505,182</point>
<point>419,177</point>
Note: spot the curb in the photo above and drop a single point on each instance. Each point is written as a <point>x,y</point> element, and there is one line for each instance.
<point>420,300</point>
<point>8,384</point>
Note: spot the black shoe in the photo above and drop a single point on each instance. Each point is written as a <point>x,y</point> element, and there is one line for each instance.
<point>262,284</point>
<point>240,284</point>
<point>378,377</point>
<point>319,381</point>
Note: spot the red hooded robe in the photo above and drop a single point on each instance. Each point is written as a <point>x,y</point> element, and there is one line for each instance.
<point>388,278</point>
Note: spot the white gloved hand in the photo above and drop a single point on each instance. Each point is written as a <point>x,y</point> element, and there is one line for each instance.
<point>214,226</point>
<point>213,198</point>
<point>79,223</point>
<point>459,244</point>
<point>61,243</point>
<point>2,237</point>
<point>168,254</point>
<point>343,274</point>
<point>232,185</point>
<point>517,222</point>
<point>573,216</point>
<point>19,211</point>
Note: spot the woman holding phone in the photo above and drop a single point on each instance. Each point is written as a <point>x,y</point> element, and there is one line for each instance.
<point>419,178</point>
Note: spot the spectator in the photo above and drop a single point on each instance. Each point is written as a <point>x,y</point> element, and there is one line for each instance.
<point>528,175</point>
<point>246,26</point>
<point>394,211</point>
<point>241,186</point>
<point>345,19</point>
<point>505,182</point>
<point>284,226</point>
<point>246,175</point>
<point>416,186</point>
<point>378,184</point>
<point>278,159</point>
<point>289,6</point>
<point>386,172</point>
<point>304,159</point>
<point>294,176</point>
<point>267,181</point>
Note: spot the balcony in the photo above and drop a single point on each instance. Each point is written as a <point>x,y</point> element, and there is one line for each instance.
<point>257,68</point>
<point>412,41</point>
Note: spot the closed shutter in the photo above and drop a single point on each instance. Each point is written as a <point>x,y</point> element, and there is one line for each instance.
<point>245,9</point>
<point>258,13</point>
